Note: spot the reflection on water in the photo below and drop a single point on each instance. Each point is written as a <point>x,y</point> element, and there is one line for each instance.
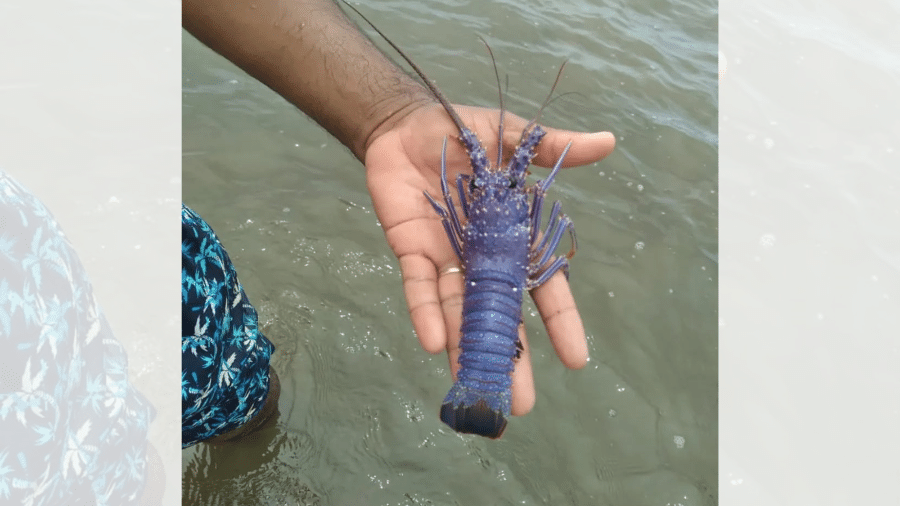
<point>360,398</point>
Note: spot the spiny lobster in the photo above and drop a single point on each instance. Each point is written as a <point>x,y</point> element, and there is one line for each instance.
<point>503,254</point>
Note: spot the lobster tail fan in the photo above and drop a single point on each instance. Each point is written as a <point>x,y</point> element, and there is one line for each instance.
<point>478,419</point>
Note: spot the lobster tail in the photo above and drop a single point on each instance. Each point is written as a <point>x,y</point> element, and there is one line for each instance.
<point>478,418</point>
<point>480,400</point>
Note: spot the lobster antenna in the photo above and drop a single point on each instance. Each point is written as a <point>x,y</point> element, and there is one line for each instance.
<point>546,101</point>
<point>500,91</point>
<point>561,95</point>
<point>431,86</point>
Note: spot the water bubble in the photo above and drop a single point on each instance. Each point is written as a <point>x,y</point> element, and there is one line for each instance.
<point>639,245</point>
<point>768,143</point>
<point>767,241</point>
<point>612,413</point>
<point>679,441</point>
<point>612,294</point>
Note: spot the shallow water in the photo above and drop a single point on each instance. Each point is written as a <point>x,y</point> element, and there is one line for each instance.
<point>359,403</point>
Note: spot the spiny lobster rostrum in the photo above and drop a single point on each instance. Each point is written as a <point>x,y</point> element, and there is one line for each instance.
<point>504,254</point>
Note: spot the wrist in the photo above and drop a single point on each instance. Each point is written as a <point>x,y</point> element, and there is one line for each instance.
<point>388,114</point>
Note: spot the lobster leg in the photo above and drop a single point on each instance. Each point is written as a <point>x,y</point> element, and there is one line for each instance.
<point>540,189</point>
<point>448,228</point>
<point>555,232</point>
<point>538,250</point>
<point>561,262</point>
<point>537,206</point>
<point>449,218</point>
<point>461,181</point>
<point>543,185</point>
<point>564,223</point>
<point>445,189</point>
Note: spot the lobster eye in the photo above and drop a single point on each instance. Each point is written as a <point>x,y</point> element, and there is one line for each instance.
<point>512,183</point>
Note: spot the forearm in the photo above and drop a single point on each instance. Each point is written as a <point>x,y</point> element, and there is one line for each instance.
<point>313,56</point>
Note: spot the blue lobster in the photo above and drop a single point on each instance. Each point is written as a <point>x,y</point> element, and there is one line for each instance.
<point>503,254</point>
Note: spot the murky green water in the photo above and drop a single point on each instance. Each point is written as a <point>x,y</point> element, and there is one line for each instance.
<point>359,408</point>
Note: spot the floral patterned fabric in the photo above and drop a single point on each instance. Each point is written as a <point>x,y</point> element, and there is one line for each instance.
<point>224,357</point>
<point>72,428</point>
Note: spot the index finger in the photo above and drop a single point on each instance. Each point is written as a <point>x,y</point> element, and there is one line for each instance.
<point>587,147</point>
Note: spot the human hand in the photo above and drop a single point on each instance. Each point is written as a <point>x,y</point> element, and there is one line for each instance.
<point>404,161</point>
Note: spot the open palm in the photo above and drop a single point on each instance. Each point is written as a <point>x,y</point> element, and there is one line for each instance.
<point>406,161</point>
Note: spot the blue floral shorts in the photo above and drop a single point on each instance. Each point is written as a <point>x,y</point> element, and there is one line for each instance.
<point>73,430</point>
<point>224,356</point>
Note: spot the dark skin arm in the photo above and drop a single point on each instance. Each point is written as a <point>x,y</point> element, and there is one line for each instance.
<point>313,56</point>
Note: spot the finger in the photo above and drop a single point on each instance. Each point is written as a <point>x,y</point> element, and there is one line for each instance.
<point>420,285</point>
<point>450,290</point>
<point>523,396</point>
<point>586,147</point>
<point>560,315</point>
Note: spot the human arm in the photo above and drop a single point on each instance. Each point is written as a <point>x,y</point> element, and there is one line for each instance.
<point>308,52</point>
<point>393,125</point>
